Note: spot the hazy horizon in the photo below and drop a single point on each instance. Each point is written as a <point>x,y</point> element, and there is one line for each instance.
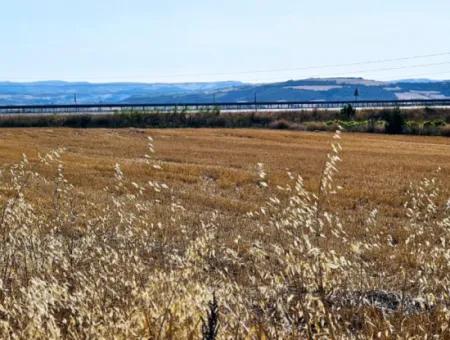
<point>216,81</point>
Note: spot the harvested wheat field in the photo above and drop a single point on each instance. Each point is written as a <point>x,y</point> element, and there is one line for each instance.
<point>375,171</point>
<point>211,233</point>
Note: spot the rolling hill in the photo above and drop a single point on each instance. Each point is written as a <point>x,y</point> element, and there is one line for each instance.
<point>320,89</point>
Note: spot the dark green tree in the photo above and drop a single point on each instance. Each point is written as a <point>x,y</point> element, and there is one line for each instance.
<point>395,121</point>
<point>347,112</point>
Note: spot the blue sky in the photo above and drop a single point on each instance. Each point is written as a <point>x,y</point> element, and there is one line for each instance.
<point>199,40</point>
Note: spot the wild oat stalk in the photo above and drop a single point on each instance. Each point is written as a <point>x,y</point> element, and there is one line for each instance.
<point>133,262</point>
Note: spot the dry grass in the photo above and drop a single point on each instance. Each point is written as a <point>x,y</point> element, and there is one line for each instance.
<point>90,249</point>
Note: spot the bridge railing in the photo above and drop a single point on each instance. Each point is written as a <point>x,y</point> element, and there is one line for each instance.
<point>231,106</point>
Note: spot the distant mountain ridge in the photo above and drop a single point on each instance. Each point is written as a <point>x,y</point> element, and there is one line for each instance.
<point>314,89</point>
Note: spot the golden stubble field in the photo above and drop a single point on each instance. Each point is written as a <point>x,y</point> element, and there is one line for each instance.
<point>90,249</point>
<point>375,172</point>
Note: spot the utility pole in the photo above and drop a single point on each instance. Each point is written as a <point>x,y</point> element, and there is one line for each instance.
<point>256,108</point>
<point>75,98</point>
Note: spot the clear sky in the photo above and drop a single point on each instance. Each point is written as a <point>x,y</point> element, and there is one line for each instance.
<point>200,40</point>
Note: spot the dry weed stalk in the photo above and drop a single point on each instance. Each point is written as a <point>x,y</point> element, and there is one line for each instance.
<point>108,268</point>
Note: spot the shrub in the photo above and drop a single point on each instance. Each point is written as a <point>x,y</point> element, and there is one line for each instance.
<point>354,126</point>
<point>430,129</point>
<point>414,128</point>
<point>280,124</point>
<point>438,122</point>
<point>445,130</point>
<point>318,126</point>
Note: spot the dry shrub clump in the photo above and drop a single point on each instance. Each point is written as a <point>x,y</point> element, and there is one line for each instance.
<point>445,130</point>
<point>109,268</point>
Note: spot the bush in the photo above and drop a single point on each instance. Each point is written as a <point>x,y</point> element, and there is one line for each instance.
<point>319,126</point>
<point>438,122</point>
<point>445,130</point>
<point>430,129</point>
<point>414,128</point>
<point>280,124</point>
<point>354,126</point>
